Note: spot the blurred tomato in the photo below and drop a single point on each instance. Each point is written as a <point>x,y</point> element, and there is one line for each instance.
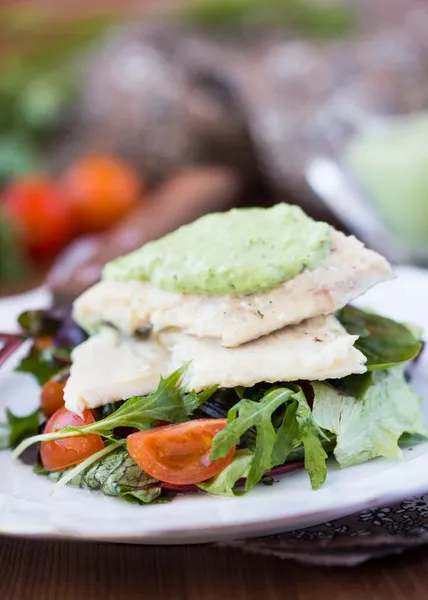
<point>40,213</point>
<point>101,190</point>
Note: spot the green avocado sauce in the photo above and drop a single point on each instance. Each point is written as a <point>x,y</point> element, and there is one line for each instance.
<point>243,251</point>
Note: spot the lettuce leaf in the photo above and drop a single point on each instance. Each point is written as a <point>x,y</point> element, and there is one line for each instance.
<point>223,484</point>
<point>273,446</point>
<point>117,475</point>
<point>385,343</point>
<point>371,424</point>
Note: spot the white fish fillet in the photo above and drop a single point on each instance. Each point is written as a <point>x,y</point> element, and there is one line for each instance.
<point>109,367</point>
<point>106,368</point>
<point>316,349</point>
<point>349,270</point>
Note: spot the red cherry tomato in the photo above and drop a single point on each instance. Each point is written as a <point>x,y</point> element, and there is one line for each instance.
<point>60,454</point>
<point>179,453</point>
<point>52,397</point>
<point>101,190</point>
<point>40,214</point>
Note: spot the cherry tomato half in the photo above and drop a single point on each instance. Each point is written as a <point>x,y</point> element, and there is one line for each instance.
<point>40,214</point>
<point>101,190</point>
<point>53,393</point>
<point>179,453</point>
<point>60,454</point>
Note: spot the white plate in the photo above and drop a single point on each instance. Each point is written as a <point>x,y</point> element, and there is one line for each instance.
<point>26,508</point>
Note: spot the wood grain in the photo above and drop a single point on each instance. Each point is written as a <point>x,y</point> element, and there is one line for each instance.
<point>42,570</point>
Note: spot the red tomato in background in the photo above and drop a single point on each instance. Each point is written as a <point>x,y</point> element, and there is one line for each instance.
<point>67,452</point>
<point>101,190</point>
<point>179,453</point>
<point>40,214</point>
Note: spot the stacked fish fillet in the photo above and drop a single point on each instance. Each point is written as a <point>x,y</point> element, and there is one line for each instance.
<point>141,332</point>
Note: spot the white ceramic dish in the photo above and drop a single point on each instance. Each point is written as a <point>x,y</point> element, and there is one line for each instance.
<point>27,508</point>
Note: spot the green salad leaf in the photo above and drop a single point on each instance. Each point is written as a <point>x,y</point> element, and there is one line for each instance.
<point>116,475</point>
<point>17,429</point>
<point>309,436</point>
<point>287,437</point>
<point>385,343</point>
<point>372,424</point>
<point>273,446</point>
<point>298,454</point>
<point>40,363</point>
<point>38,322</point>
<point>224,483</point>
<point>353,385</point>
<point>170,402</point>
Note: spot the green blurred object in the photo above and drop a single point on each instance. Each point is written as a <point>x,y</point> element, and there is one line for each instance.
<point>315,18</point>
<point>37,78</point>
<point>391,165</point>
<point>18,156</point>
<point>13,266</point>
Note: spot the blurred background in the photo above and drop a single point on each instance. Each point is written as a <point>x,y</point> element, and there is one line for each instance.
<point>120,121</point>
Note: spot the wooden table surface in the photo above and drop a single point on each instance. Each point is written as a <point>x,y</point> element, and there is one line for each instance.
<point>43,570</point>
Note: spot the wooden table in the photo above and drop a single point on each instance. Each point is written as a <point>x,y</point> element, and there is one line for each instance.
<point>43,570</point>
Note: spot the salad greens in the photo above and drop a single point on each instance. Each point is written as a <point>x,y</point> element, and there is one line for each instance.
<point>169,402</point>
<point>272,448</point>
<point>385,343</point>
<point>38,322</point>
<point>372,424</point>
<point>223,484</point>
<point>116,475</point>
<point>355,418</point>
<point>44,360</point>
<point>18,428</point>
<point>41,363</point>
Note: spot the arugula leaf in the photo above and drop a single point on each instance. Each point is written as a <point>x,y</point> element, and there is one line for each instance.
<point>287,437</point>
<point>168,403</point>
<point>223,484</point>
<point>272,447</point>
<point>307,433</point>
<point>17,429</point>
<point>252,414</point>
<point>383,342</point>
<point>328,443</point>
<point>40,363</point>
<point>116,475</point>
<point>372,424</point>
